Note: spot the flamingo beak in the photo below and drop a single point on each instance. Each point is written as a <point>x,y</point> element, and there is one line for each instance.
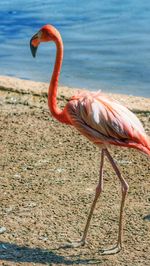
<point>34,42</point>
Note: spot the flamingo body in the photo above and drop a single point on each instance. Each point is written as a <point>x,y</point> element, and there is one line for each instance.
<point>102,120</point>
<point>106,122</point>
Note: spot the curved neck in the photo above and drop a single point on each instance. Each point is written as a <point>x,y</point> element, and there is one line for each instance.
<point>52,93</point>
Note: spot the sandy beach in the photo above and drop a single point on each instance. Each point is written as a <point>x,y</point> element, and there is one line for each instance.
<point>47,183</point>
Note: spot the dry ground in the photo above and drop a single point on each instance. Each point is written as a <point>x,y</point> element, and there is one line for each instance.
<point>47,183</point>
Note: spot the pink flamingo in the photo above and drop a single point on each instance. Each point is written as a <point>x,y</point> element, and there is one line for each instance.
<point>103,121</point>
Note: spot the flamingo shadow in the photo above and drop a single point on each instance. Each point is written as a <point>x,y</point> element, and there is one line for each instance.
<point>15,253</point>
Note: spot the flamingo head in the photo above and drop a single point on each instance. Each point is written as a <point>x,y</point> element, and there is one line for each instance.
<point>46,34</point>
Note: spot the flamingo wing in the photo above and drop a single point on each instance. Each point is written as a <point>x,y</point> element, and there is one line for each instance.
<point>105,121</point>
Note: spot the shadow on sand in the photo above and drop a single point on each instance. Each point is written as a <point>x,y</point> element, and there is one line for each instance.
<point>16,253</point>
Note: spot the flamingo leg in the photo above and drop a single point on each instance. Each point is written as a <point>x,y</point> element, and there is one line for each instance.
<point>124,188</point>
<point>99,189</point>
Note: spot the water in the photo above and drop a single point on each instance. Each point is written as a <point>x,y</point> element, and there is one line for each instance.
<point>107,43</point>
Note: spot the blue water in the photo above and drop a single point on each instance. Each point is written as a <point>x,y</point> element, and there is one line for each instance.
<point>107,42</point>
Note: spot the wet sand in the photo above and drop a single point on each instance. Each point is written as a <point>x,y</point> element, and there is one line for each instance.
<point>47,183</point>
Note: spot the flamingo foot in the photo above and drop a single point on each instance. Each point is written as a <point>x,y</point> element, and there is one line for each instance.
<point>74,244</point>
<point>110,251</point>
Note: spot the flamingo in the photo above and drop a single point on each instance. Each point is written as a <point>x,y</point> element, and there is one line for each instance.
<point>101,120</point>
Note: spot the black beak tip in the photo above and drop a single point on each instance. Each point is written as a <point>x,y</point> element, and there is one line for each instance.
<point>33,49</point>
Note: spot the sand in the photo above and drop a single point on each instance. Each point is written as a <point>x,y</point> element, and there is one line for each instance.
<point>48,177</point>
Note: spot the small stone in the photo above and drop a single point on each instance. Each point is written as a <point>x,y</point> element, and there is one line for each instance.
<point>2,230</point>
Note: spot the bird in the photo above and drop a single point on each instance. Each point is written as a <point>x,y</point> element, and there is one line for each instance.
<point>102,120</point>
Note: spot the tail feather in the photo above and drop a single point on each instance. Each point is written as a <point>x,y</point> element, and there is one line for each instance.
<point>143,147</point>
<point>143,144</point>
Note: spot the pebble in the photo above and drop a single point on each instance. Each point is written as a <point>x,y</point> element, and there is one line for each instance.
<point>2,230</point>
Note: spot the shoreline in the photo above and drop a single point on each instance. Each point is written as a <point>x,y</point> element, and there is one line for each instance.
<point>13,84</point>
